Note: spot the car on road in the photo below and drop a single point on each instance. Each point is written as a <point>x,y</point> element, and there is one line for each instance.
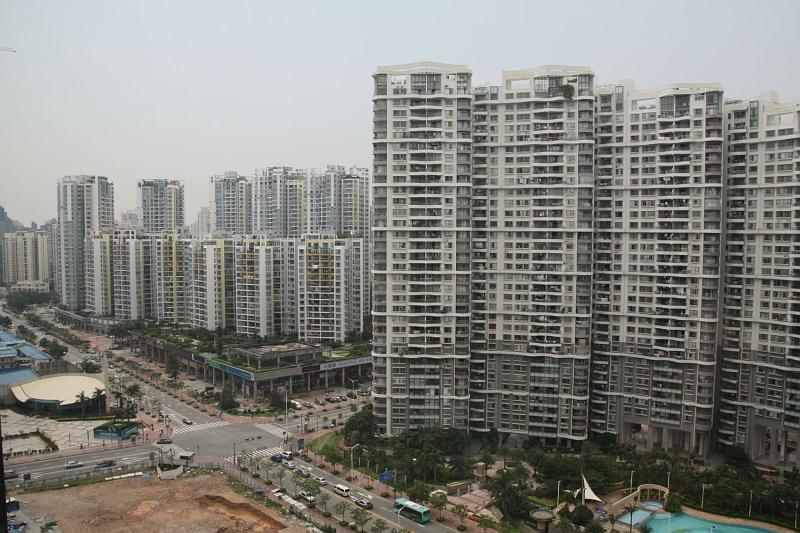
<point>289,464</point>
<point>319,402</point>
<point>105,464</point>
<point>307,496</point>
<point>164,440</point>
<point>11,474</point>
<point>72,464</point>
<point>286,454</point>
<point>308,405</point>
<point>277,458</point>
<point>321,480</point>
<point>364,503</point>
<point>187,421</point>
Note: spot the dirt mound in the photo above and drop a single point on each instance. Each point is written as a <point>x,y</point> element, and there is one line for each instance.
<point>241,512</point>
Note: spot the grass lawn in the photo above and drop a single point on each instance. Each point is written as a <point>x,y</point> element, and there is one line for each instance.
<point>327,446</point>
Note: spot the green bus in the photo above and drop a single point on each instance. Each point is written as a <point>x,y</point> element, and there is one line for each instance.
<point>414,511</point>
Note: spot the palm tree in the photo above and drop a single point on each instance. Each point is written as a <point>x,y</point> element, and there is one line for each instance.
<point>82,398</point>
<point>97,395</point>
<point>630,508</point>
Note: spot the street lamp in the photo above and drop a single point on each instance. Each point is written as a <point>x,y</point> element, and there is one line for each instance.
<point>351,457</point>
<point>398,513</point>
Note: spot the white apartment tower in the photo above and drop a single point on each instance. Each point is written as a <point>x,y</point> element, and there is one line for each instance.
<point>85,205</point>
<point>25,256</point>
<point>254,282</point>
<point>99,274</point>
<point>658,246</point>
<point>533,186</point>
<point>132,268</point>
<point>330,288</point>
<point>422,144</point>
<point>231,204</point>
<point>759,396</point>
<point>276,205</point>
<point>160,204</point>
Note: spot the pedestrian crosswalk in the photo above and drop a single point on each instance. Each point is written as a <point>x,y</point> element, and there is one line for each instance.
<point>259,454</point>
<point>199,427</point>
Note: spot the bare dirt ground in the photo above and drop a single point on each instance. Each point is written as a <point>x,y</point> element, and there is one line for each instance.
<point>204,503</point>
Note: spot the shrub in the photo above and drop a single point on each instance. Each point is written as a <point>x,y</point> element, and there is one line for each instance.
<point>343,523</point>
<point>461,527</point>
<point>326,514</point>
<point>384,494</point>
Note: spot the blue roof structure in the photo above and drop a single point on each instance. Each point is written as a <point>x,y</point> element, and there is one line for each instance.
<point>9,338</point>
<point>18,375</point>
<point>32,353</point>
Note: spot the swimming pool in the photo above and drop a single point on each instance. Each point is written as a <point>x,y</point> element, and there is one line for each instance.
<point>639,515</point>
<point>652,505</point>
<point>683,523</point>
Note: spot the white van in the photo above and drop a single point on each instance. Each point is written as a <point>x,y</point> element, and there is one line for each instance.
<point>341,489</point>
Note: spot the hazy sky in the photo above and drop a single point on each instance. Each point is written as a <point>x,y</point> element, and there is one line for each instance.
<point>187,89</point>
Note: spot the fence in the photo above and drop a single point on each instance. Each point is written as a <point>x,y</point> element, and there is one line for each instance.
<point>69,476</point>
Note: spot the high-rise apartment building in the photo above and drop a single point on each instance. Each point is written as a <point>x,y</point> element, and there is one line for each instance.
<point>99,274</point>
<point>422,144</point>
<point>330,288</point>
<point>25,256</point>
<point>254,281</point>
<point>532,192</point>
<point>85,206</point>
<point>759,386</point>
<point>159,203</point>
<point>658,246</point>
<point>169,278</point>
<point>276,205</point>
<point>231,204</point>
<point>131,272</point>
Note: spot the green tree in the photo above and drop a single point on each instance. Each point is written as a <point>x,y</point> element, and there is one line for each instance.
<point>341,508</point>
<point>418,492</point>
<point>379,526</point>
<point>486,521</point>
<point>438,500</point>
<point>362,427</point>
<point>281,474</point>
<point>5,322</point>
<point>361,518</point>
<point>564,525</point>
<point>89,367</point>
<point>227,401</point>
<point>277,400</point>
<point>460,511</point>
<point>508,492</point>
<point>173,366</point>
<point>581,516</point>
<point>596,527</point>
<point>323,500</point>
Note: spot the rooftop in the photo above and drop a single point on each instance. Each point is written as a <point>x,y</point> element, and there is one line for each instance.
<point>17,375</point>
<point>61,389</point>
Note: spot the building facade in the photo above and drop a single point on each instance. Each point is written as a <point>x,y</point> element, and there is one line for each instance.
<point>533,186</point>
<point>231,204</point>
<point>759,387</point>
<point>159,203</point>
<point>26,256</point>
<point>422,144</point>
<point>85,206</point>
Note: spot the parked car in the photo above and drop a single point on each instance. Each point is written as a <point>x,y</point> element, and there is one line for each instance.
<point>164,440</point>
<point>105,464</point>
<point>319,402</point>
<point>308,405</point>
<point>11,474</point>
<point>352,395</point>
<point>72,464</point>
<point>277,458</point>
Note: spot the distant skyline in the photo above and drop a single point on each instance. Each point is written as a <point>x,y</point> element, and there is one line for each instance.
<point>184,90</point>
